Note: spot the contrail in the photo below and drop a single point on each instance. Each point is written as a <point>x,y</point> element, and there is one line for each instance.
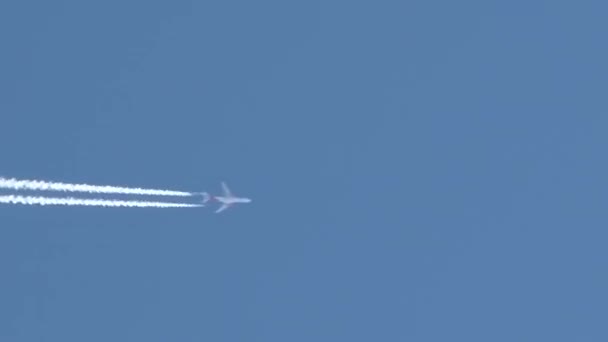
<point>70,201</point>
<point>15,184</point>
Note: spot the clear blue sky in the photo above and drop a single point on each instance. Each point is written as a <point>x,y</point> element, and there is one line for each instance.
<point>421,170</point>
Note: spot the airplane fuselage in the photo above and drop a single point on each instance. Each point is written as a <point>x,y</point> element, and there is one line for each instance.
<point>232,200</point>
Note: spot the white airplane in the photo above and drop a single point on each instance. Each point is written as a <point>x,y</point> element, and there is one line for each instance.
<point>227,199</point>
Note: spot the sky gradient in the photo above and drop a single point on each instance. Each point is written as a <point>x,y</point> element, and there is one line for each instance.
<point>420,170</point>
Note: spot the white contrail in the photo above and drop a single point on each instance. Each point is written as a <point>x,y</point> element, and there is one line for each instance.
<point>32,200</point>
<point>16,184</point>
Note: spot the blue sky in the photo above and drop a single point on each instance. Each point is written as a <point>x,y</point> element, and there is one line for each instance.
<point>421,170</point>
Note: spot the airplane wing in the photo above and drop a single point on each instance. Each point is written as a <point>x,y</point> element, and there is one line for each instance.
<point>222,208</point>
<point>226,191</point>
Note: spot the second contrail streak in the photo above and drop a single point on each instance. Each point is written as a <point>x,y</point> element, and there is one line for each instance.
<point>70,201</point>
<point>16,184</point>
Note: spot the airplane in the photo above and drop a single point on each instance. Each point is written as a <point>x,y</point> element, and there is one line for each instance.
<point>227,199</point>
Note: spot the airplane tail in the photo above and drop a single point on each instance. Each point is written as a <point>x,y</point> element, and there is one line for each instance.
<point>206,197</point>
